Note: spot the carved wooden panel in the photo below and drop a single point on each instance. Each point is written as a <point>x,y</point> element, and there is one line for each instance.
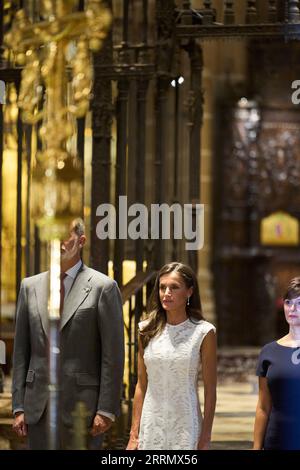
<point>257,173</point>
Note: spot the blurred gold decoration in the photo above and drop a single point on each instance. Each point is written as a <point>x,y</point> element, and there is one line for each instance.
<point>279,229</point>
<point>53,51</point>
<point>79,441</point>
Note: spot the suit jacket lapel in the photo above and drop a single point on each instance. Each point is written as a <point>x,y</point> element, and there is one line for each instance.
<point>77,294</point>
<point>41,292</point>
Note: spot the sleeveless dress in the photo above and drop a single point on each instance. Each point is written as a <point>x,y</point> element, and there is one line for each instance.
<point>281,366</point>
<point>171,416</point>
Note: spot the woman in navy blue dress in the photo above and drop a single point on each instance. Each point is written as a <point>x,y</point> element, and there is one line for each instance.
<point>277,420</point>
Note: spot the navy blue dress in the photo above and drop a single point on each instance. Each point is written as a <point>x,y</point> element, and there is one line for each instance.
<point>281,365</point>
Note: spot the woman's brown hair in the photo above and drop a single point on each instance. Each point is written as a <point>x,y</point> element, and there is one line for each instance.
<point>157,315</point>
<point>293,289</point>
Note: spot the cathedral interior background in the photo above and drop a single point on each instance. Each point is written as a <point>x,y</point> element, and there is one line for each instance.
<point>191,103</point>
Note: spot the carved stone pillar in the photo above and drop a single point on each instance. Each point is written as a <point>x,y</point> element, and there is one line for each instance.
<point>101,154</point>
<point>165,31</point>
<point>195,103</point>
<point>1,32</point>
<point>251,12</point>
<point>229,17</point>
<point>121,170</point>
<point>142,87</point>
<point>293,11</point>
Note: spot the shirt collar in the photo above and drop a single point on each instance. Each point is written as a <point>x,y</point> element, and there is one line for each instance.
<point>72,272</point>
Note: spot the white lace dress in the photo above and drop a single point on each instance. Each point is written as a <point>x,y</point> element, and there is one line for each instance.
<point>171,416</point>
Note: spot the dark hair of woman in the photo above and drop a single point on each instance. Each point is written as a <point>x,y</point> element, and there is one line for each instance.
<point>157,315</point>
<point>293,289</point>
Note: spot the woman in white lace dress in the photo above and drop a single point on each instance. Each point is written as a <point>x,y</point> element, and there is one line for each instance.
<point>173,342</point>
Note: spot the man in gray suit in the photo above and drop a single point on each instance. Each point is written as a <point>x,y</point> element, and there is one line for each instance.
<point>91,349</point>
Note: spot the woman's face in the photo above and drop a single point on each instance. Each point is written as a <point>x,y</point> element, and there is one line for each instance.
<point>173,292</point>
<point>292,311</point>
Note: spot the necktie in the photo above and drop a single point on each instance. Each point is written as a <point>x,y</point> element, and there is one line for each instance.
<point>62,292</point>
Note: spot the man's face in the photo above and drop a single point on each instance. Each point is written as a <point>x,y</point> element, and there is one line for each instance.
<point>71,247</point>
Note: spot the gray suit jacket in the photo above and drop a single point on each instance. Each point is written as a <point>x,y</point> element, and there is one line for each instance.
<point>92,347</point>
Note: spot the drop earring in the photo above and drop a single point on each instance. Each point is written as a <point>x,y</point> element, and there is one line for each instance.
<point>188,301</point>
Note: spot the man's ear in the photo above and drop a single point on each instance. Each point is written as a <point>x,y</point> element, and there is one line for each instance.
<point>82,240</point>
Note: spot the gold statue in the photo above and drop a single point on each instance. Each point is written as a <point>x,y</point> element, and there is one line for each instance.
<point>44,50</point>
